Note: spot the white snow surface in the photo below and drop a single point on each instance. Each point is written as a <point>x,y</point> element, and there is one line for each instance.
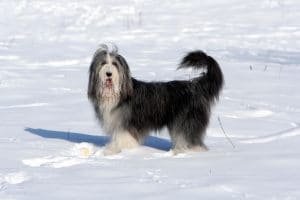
<point>51,143</point>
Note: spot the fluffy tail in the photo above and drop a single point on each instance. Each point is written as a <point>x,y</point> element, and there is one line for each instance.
<point>212,82</point>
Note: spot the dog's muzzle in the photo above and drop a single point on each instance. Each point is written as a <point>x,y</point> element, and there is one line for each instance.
<point>108,83</point>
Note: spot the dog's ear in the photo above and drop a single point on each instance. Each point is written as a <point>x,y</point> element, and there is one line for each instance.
<point>98,57</point>
<point>92,85</point>
<point>126,83</point>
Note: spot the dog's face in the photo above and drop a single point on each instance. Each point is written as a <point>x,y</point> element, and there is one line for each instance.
<point>109,76</point>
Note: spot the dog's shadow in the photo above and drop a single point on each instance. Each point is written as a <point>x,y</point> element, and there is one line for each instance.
<point>150,141</point>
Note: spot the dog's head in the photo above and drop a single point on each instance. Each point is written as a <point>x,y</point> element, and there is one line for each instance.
<point>109,76</point>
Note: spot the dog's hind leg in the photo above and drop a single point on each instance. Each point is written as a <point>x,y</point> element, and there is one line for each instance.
<point>187,137</point>
<point>120,140</point>
<point>179,143</point>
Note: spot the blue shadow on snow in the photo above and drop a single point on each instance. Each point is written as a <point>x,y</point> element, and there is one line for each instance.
<point>150,141</point>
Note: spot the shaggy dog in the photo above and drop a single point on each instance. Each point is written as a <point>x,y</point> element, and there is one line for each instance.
<point>128,109</point>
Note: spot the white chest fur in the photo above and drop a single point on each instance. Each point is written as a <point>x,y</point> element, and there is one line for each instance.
<point>109,115</point>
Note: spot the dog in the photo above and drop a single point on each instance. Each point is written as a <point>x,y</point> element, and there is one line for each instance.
<point>129,109</point>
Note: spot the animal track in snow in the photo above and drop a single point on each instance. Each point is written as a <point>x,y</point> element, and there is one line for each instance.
<point>9,57</point>
<point>294,131</point>
<point>169,154</point>
<point>52,161</point>
<point>65,90</point>
<point>153,175</point>
<point>57,63</point>
<point>13,179</point>
<point>253,113</point>
<point>79,154</point>
<point>16,178</point>
<point>24,105</point>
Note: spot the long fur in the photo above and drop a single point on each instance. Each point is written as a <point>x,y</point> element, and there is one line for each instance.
<point>136,107</point>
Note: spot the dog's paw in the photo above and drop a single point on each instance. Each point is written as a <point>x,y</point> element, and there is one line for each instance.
<point>124,140</point>
<point>199,148</point>
<point>176,151</point>
<point>110,150</point>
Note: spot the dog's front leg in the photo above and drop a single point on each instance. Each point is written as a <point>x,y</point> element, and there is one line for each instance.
<point>120,140</point>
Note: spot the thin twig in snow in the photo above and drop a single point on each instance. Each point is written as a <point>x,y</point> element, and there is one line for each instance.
<point>219,120</point>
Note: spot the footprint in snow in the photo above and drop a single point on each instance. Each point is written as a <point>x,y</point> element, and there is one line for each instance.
<point>253,113</point>
<point>291,132</point>
<point>79,154</point>
<point>13,179</point>
<point>169,154</point>
<point>24,106</point>
<point>52,161</point>
<point>153,175</point>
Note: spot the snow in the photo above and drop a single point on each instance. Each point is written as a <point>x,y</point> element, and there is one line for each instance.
<point>51,144</point>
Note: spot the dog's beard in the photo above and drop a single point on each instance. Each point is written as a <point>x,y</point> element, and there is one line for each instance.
<point>109,91</point>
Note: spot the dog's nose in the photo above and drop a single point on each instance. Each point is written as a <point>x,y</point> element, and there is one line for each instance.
<point>108,74</point>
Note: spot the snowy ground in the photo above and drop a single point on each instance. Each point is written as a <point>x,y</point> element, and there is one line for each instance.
<point>46,120</point>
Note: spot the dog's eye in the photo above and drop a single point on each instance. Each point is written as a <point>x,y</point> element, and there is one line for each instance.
<point>115,64</point>
<point>103,63</point>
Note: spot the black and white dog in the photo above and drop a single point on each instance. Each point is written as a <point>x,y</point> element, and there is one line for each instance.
<point>129,109</point>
